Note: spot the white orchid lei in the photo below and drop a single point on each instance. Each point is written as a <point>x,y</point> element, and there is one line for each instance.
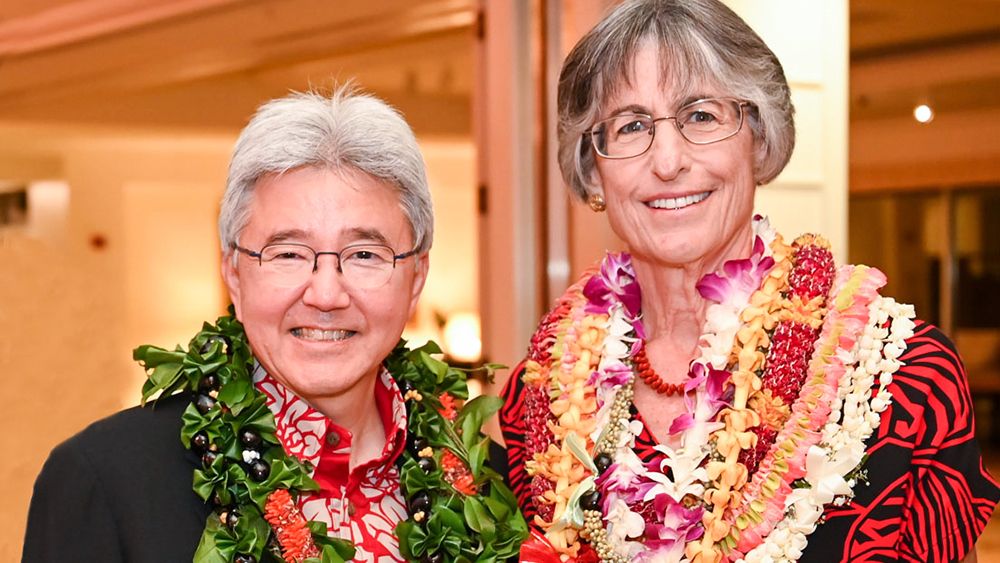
<point>869,363</point>
<point>593,487</point>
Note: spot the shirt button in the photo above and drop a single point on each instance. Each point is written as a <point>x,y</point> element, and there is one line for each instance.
<point>332,439</point>
<point>351,509</point>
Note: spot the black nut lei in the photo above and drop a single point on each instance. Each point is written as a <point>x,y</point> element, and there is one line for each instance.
<point>229,425</point>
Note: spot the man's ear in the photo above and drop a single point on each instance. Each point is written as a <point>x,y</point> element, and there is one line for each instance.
<point>419,278</point>
<point>231,277</point>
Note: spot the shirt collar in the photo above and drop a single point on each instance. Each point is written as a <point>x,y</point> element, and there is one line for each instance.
<point>302,430</point>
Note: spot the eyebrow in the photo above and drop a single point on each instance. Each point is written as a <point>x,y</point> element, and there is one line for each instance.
<point>636,108</point>
<point>363,233</point>
<point>285,235</point>
<point>630,108</point>
<point>353,234</point>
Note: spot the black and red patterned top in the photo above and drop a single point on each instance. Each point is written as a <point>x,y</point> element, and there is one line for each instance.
<point>928,496</point>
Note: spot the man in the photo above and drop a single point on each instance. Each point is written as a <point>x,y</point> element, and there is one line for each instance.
<point>325,225</point>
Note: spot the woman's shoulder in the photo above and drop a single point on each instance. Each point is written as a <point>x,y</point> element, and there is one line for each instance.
<point>930,358</point>
<point>929,339</point>
<point>931,406</point>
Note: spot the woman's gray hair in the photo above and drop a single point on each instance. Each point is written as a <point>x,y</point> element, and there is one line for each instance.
<point>701,43</point>
<point>347,130</point>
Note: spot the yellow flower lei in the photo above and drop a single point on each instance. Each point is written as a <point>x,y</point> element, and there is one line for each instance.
<point>573,404</point>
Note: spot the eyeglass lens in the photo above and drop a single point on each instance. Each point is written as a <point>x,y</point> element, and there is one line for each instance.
<point>702,122</point>
<point>361,266</point>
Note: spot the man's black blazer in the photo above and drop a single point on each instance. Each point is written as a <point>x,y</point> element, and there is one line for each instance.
<point>119,491</point>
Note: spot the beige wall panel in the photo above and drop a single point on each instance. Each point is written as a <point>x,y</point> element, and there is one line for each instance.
<point>793,210</point>
<point>810,39</point>
<point>809,160</point>
<point>452,285</point>
<point>798,32</point>
<point>172,280</point>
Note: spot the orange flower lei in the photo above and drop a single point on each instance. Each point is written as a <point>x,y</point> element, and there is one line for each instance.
<point>726,474</point>
<point>741,511</point>
<point>290,527</point>
<point>573,405</point>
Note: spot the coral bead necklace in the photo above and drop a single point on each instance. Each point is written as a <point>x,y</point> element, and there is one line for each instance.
<point>653,379</point>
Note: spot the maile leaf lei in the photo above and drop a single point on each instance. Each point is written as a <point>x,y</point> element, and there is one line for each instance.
<point>460,509</point>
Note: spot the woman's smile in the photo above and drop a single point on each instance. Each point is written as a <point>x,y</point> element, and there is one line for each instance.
<point>679,202</point>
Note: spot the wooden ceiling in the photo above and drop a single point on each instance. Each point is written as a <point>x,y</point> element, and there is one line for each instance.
<point>924,51</point>
<point>892,27</point>
<point>209,63</point>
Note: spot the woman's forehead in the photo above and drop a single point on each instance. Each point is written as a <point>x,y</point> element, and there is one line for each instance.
<point>663,92</point>
<point>675,76</point>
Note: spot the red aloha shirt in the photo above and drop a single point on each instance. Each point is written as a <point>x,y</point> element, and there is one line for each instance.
<point>363,505</point>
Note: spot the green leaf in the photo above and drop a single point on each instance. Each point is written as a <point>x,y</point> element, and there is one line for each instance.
<point>499,510</point>
<point>414,480</point>
<point>489,371</point>
<point>193,422</point>
<point>499,490</point>
<point>470,419</point>
<point>436,366</point>
<point>430,347</point>
<point>152,356</point>
<point>477,455</point>
<point>161,377</point>
<point>256,416</point>
<point>412,539</point>
<point>462,529</point>
<point>482,406</point>
<point>235,392</point>
<point>478,519</point>
<point>449,518</point>
<point>216,545</point>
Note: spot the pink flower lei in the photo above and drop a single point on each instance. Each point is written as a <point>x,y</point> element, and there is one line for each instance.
<point>625,509</point>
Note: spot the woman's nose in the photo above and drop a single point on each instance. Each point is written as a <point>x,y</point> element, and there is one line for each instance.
<point>670,152</point>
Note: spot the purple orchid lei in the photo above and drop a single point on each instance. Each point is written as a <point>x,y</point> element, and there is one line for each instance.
<point>652,510</point>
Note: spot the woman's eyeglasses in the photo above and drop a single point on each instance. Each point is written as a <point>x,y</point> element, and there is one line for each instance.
<point>702,122</point>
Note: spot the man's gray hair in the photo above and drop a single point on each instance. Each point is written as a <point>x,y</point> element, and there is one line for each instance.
<point>701,43</point>
<point>347,130</point>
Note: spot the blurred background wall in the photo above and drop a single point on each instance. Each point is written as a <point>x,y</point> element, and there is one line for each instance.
<point>117,119</point>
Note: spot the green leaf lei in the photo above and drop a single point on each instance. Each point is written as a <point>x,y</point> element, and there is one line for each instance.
<point>228,417</point>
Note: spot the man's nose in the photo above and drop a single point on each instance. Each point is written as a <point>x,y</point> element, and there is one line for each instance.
<point>326,289</point>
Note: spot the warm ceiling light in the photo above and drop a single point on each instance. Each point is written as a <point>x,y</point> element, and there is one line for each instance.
<point>461,337</point>
<point>923,113</point>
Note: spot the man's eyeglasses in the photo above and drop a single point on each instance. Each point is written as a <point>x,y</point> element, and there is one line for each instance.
<point>702,122</point>
<point>361,266</point>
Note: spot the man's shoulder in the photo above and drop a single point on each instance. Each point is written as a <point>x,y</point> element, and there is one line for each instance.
<point>124,481</point>
<point>142,434</point>
<point>150,423</point>
<point>135,457</point>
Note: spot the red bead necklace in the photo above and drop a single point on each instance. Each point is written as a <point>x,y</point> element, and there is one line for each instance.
<point>653,379</point>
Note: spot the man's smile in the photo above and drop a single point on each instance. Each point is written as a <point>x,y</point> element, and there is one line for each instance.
<point>320,335</point>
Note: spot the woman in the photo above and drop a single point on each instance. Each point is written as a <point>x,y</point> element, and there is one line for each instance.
<point>719,392</point>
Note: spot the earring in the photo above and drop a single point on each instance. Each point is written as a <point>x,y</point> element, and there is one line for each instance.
<point>596,203</point>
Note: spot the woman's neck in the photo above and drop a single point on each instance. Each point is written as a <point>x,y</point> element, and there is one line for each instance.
<point>672,308</point>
